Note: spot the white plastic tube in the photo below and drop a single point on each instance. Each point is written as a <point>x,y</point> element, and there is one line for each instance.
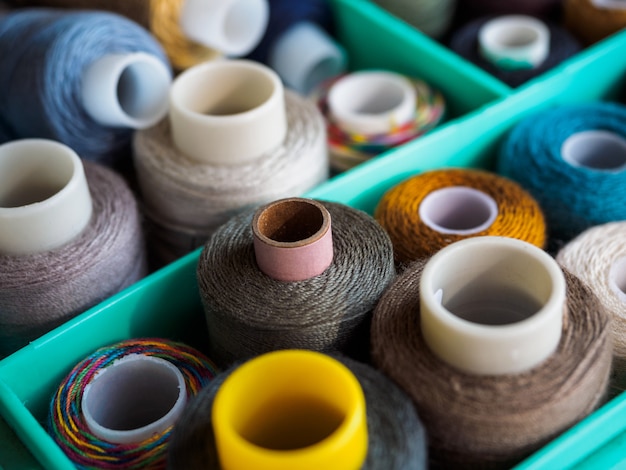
<point>44,197</point>
<point>233,27</point>
<point>227,112</point>
<point>610,4</point>
<point>492,305</point>
<point>126,90</point>
<point>596,150</point>
<point>133,399</point>
<point>617,278</point>
<point>514,41</point>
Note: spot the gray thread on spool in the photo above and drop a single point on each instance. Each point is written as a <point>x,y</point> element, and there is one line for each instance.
<point>43,290</point>
<point>493,421</point>
<point>248,313</point>
<point>397,438</point>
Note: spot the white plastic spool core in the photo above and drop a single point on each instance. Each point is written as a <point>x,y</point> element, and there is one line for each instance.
<point>617,278</point>
<point>372,102</point>
<point>492,305</point>
<point>44,197</point>
<point>459,210</point>
<point>233,27</point>
<point>134,398</point>
<point>324,57</point>
<point>514,41</point>
<point>126,90</point>
<point>227,112</point>
<point>610,4</point>
<point>595,150</point>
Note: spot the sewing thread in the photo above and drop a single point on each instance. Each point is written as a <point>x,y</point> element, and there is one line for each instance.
<point>590,22</point>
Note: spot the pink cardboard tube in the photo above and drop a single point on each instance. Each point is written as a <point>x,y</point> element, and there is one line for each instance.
<point>293,239</point>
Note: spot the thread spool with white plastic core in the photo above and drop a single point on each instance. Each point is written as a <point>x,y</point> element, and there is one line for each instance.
<point>133,399</point>
<point>372,102</point>
<point>44,197</point>
<point>595,150</point>
<point>293,239</point>
<point>458,210</point>
<point>126,90</point>
<point>227,112</point>
<point>492,305</point>
<point>233,27</point>
<point>514,42</point>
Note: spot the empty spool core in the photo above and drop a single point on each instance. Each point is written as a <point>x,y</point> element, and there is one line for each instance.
<point>133,399</point>
<point>458,210</point>
<point>595,150</point>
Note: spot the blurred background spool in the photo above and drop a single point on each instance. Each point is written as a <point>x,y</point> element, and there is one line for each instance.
<point>245,141</point>
<point>468,9</point>
<point>396,438</point>
<point>328,312</point>
<point>492,420</point>
<point>432,17</point>
<point>431,210</point>
<point>594,20</point>
<point>68,239</point>
<point>47,57</point>
<point>598,257</point>
<point>572,159</point>
<point>117,407</point>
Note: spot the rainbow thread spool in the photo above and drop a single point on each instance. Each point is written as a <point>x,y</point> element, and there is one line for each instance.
<point>371,111</point>
<point>117,407</point>
<point>594,20</point>
<point>431,210</point>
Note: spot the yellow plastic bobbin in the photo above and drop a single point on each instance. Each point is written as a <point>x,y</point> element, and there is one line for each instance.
<point>290,409</point>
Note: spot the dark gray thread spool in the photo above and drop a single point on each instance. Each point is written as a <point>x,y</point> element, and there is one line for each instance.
<point>249,313</point>
<point>397,439</point>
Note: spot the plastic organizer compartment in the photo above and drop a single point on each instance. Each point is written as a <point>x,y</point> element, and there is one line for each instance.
<point>167,302</point>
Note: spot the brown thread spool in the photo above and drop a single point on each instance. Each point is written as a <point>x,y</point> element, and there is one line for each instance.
<point>594,20</point>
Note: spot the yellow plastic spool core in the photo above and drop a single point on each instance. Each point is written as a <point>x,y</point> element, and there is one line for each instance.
<point>290,409</point>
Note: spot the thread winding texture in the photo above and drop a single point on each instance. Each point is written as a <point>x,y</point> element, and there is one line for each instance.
<point>573,198</point>
<point>590,256</point>
<point>432,17</point>
<point>396,436</point>
<point>43,53</point>
<point>187,200</point>
<point>519,215</point>
<point>464,41</point>
<point>66,423</point>
<point>478,421</point>
<point>43,290</point>
<point>591,23</point>
<point>329,312</point>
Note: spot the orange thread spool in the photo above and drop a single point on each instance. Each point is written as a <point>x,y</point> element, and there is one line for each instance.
<point>485,204</point>
<point>592,23</point>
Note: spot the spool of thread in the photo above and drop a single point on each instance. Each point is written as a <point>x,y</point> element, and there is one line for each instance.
<point>69,238</point>
<point>493,402</point>
<point>500,55</point>
<point>537,8</point>
<point>598,257</point>
<point>328,312</point>
<point>86,79</point>
<point>371,111</point>
<point>234,139</point>
<point>295,27</point>
<point>431,210</point>
<point>432,17</point>
<point>593,20</point>
<point>572,160</point>
<point>117,407</point>
<point>396,438</point>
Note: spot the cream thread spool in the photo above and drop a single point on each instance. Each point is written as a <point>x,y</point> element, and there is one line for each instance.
<point>514,42</point>
<point>309,415</point>
<point>44,197</point>
<point>293,239</point>
<point>227,112</point>
<point>492,305</point>
<point>597,150</point>
<point>133,399</point>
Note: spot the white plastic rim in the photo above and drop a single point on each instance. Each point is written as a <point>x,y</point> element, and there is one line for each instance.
<point>514,41</point>
<point>372,102</point>
<point>324,57</point>
<point>492,305</point>
<point>233,27</point>
<point>610,4</point>
<point>134,398</point>
<point>44,197</point>
<point>126,90</point>
<point>227,112</point>
<point>595,150</point>
<point>617,278</point>
<point>458,210</point>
